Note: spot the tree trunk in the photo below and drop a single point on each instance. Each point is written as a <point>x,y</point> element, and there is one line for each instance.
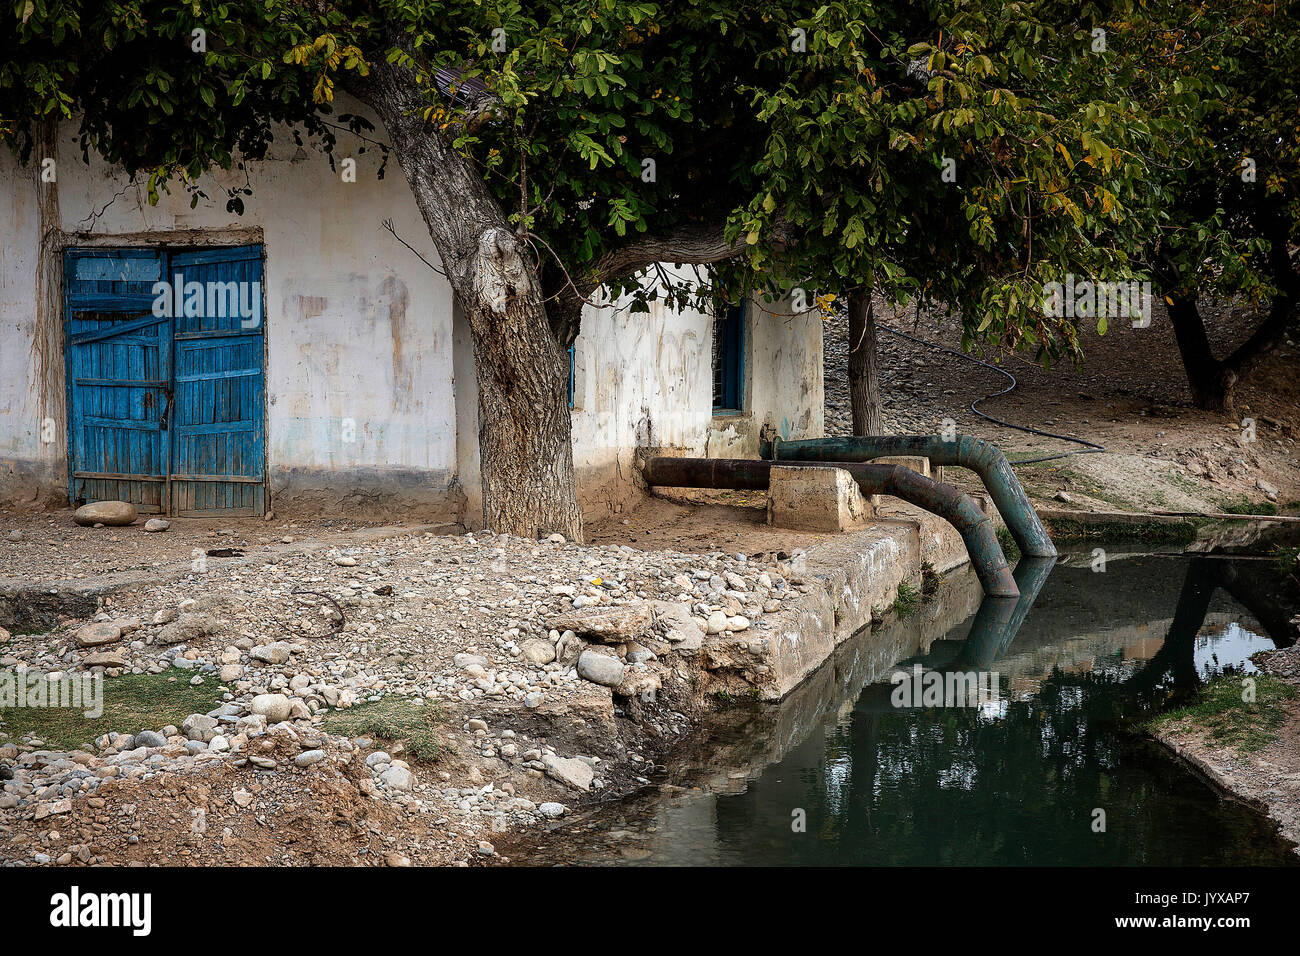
<point>525,440</point>
<point>525,446</point>
<point>1211,388</point>
<point>1212,381</point>
<point>864,383</point>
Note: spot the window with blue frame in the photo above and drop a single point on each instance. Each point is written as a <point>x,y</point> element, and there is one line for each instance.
<point>570,376</point>
<point>728,358</point>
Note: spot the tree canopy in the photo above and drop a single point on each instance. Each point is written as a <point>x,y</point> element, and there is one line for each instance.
<point>613,123</point>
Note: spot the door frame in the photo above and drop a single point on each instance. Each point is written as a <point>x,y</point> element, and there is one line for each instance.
<point>180,240</point>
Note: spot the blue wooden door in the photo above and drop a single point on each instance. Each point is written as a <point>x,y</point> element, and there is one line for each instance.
<point>119,370</point>
<point>166,391</point>
<point>218,438</point>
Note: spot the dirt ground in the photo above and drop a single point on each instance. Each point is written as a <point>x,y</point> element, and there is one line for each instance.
<point>1130,395</point>
<point>317,816</point>
<point>49,545</point>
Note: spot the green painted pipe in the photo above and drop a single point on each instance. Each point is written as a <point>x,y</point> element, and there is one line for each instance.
<point>982,457</point>
<point>958,509</point>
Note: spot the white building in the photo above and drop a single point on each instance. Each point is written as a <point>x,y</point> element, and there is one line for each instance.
<point>355,386</point>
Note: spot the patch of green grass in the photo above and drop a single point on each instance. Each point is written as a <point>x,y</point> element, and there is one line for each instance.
<point>1220,711</point>
<point>1247,507</point>
<point>393,718</point>
<point>1171,532</point>
<point>131,703</point>
<point>1186,484</point>
<point>908,600</point>
<point>1009,547</point>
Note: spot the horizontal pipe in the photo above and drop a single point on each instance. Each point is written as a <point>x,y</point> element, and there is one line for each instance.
<point>958,509</point>
<point>964,451</point>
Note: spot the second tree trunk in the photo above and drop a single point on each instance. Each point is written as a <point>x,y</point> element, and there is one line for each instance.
<point>864,380</point>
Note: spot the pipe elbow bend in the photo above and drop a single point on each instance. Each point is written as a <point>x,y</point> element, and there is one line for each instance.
<point>978,455</point>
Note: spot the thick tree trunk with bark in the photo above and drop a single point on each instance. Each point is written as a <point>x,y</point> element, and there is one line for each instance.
<point>525,442</point>
<point>525,447</point>
<point>864,382</point>
<point>1213,381</point>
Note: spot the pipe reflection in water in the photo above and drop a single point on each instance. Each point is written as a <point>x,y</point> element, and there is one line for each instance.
<point>1013,784</point>
<point>998,619</point>
<point>992,630</point>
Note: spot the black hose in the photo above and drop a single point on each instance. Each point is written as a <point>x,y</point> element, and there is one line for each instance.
<point>1091,447</point>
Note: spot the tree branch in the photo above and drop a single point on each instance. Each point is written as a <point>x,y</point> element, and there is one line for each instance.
<point>690,244</point>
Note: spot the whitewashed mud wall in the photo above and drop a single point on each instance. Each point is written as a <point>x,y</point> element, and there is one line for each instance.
<point>359,380</point>
<point>646,381</point>
<point>363,343</point>
<point>28,465</point>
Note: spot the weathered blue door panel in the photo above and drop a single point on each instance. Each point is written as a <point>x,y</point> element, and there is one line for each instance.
<point>218,437</point>
<point>166,410</point>
<point>118,368</point>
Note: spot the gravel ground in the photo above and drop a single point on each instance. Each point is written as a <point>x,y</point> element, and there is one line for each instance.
<point>554,674</point>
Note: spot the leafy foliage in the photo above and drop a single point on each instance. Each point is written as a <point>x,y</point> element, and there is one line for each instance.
<point>962,151</point>
<point>1224,95</point>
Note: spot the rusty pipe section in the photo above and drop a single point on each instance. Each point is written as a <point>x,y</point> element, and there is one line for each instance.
<point>964,451</point>
<point>958,509</point>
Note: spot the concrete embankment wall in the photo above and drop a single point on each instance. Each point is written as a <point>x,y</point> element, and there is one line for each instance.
<point>844,579</point>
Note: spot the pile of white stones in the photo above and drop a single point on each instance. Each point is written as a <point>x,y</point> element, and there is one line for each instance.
<point>463,618</point>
